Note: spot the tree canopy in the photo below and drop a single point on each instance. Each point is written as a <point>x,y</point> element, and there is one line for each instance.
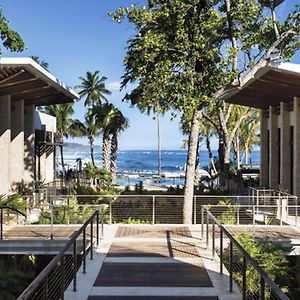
<point>10,38</point>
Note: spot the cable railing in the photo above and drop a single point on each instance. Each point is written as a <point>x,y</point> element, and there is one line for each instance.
<point>167,209</point>
<point>252,280</point>
<point>62,271</point>
<point>7,217</point>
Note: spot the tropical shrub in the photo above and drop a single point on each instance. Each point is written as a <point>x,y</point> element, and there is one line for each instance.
<point>15,201</point>
<point>268,255</point>
<point>93,172</point>
<point>229,215</point>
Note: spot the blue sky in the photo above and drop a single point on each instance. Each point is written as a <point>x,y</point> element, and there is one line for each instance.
<point>75,36</point>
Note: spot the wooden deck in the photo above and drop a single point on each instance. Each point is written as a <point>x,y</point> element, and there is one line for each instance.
<point>154,263</point>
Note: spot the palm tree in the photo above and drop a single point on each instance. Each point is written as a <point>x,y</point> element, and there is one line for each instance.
<point>63,114</point>
<point>104,114</point>
<point>89,129</point>
<point>118,124</point>
<point>93,88</point>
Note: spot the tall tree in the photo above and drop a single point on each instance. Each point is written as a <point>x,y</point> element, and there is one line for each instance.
<point>174,56</point>
<point>11,40</point>
<point>194,52</point>
<point>89,129</point>
<point>118,124</point>
<point>104,115</point>
<point>93,88</point>
<point>63,114</point>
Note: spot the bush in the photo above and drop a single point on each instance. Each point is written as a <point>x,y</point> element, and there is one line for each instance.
<point>15,201</point>
<point>268,255</point>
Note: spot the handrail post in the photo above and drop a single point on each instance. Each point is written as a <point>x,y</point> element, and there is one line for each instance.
<point>75,267</point>
<point>84,251</point>
<point>213,239</point>
<point>202,223</point>
<point>244,278</point>
<point>207,223</point>
<point>262,289</point>
<point>221,251</point>
<point>153,210</point>
<point>296,211</point>
<point>45,289</point>
<point>1,220</point>
<point>195,210</point>
<point>91,257</point>
<point>230,266</point>
<point>97,220</point>
<point>62,266</point>
<point>102,225</point>
<point>110,211</point>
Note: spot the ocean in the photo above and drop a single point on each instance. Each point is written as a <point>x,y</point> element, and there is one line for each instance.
<point>141,165</point>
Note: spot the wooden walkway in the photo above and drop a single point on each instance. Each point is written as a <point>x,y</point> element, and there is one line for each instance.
<point>155,263</point>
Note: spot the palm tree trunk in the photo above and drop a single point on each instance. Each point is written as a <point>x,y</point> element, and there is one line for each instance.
<point>105,151</point>
<point>158,146</point>
<point>114,157</point>
<point>91,140</point>
<point>62,161</point>
<point>191,168</point>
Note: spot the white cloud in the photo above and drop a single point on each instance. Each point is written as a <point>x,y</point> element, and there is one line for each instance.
<point>113,86</point>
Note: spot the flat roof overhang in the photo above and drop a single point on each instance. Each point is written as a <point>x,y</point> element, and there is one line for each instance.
<point>24,79</point>
<point>270,85</point>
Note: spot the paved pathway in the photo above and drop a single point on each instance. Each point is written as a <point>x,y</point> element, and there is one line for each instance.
<point>155,263</point>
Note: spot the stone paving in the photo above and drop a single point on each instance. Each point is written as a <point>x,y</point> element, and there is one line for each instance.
<point>152,262</point>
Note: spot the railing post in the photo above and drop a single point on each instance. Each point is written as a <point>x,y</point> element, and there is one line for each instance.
<point>281,209</point>
<point>84,251</point>
<point>68,211</point>
<point>110,212</point>
<point>244,278</point>
<point>253,215</point>
<point>97,220</point>
<point>91,257</point>
<point>75,267</point>
<point>221,251</point>
<point>195,210</point>
<point>102,225</point>
<point>62,263</point>
<point>45,289</point>
<point>213,239</point>
<point>262,289</point>
<point>230,266</point>
<point>153,210</point>
<point>202,223</point>
<point>1,220</point>
<point>296,211</point>
<point>207,223</point>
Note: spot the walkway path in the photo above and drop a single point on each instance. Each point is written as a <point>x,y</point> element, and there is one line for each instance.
<point>155,263</point>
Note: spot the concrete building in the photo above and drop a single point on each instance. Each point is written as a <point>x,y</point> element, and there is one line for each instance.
<point>275,90</point>
<point>24,84</point>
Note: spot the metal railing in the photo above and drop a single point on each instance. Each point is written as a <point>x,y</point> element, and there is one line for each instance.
<point>52,282</point>
<point>238,261</point>
<point>167,209</point>
<point>8,209</point>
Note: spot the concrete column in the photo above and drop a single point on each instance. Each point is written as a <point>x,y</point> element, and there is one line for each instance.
<point>5,120</point>
<point>296,176</point>
<point>273,168</point>
<point>284,147</point>
<point>17,143</point>
<point>29,146</point>
<point>264,167</point>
